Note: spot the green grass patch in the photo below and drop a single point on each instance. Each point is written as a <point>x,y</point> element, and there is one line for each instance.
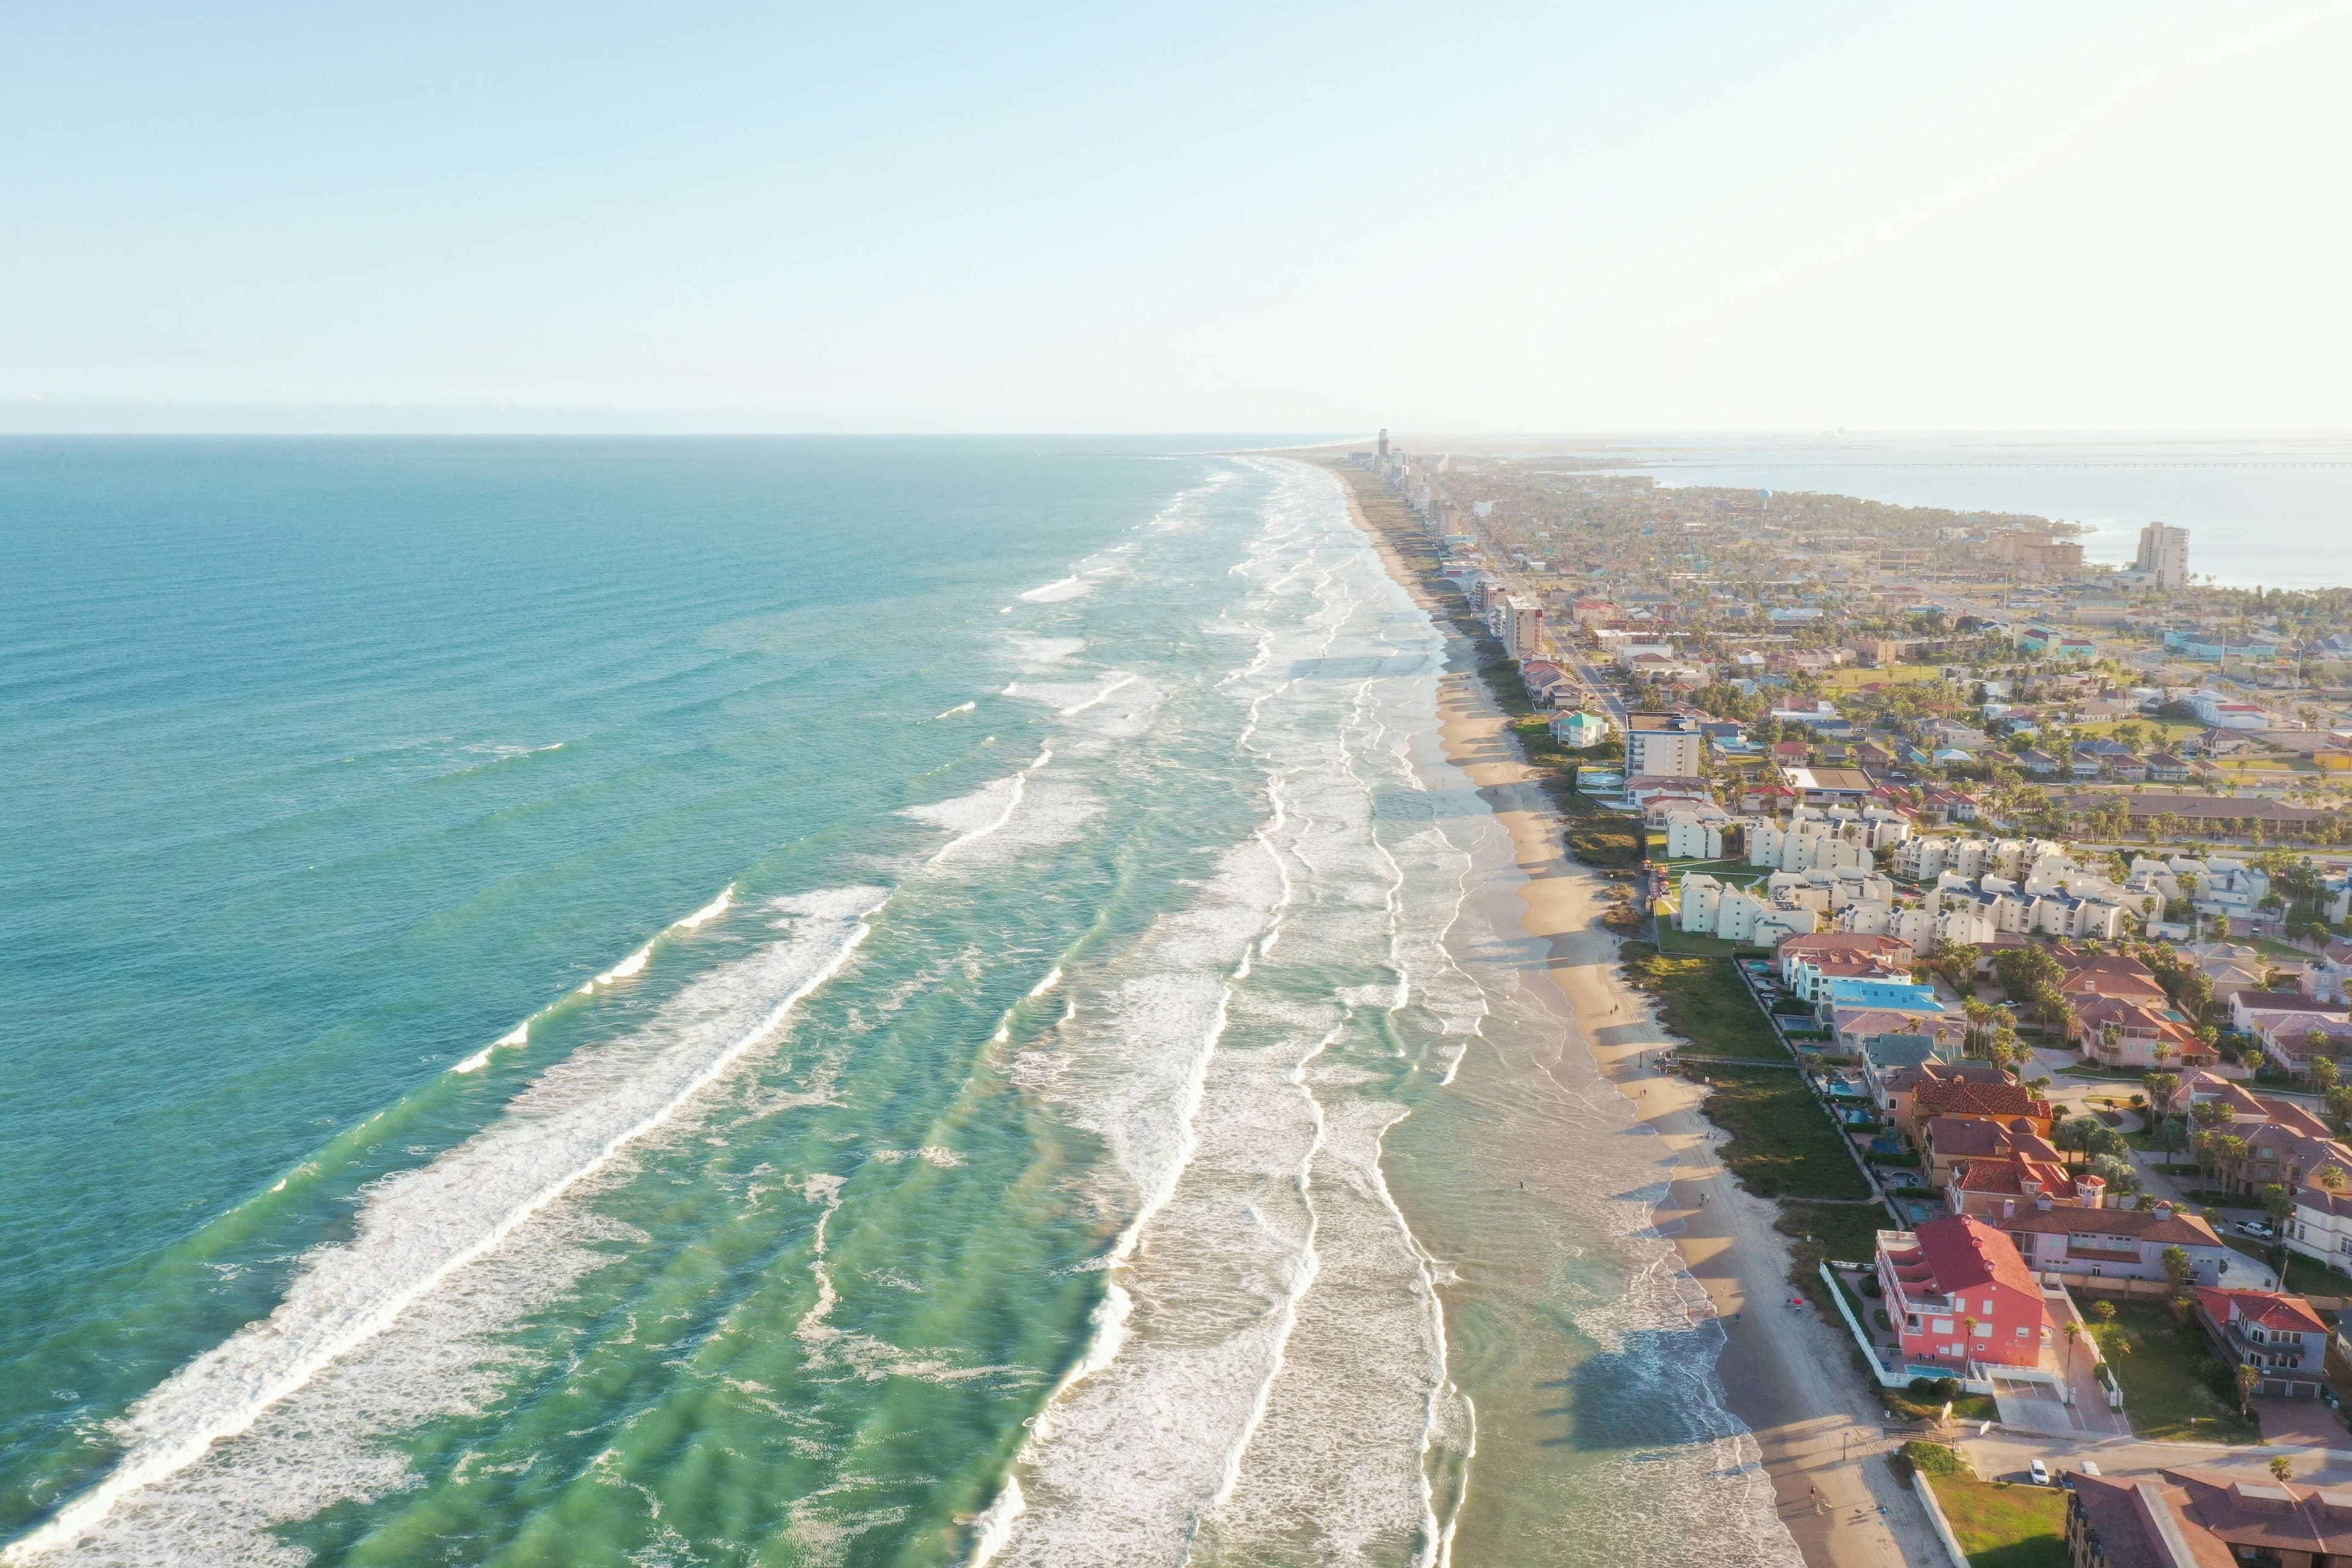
<point>1600,840</point>
<point>1699,945</point>
<point>1703,999</point>
<point>2304,1276</point>
<point>1782,1144</point>
<point>1966,1407</point>
<point>1835,1233</point>
<point>2000,1525</point>
<point>2175,1388</point>
<point>1853,678</point>
<point>1502,677</point>
<point>1725,870</point>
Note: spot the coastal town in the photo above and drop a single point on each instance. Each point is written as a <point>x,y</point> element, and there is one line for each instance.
<point>1997,904</point>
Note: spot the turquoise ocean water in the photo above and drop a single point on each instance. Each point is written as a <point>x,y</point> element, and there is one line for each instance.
<point>788,1001</point>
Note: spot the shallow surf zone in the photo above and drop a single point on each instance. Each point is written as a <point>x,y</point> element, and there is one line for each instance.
<point>418,1234</point>
<point>1267,1380</point>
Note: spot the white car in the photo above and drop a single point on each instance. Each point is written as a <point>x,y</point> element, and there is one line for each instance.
<point>2257,1229</point>
<point>2039,1472</point>
<point>2088,1466</point>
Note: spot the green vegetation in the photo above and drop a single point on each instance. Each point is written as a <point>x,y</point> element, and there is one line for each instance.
<point>1501,674</point>
<point>2175,1388</point>
<point>1837,1233</point>
<point>1598,840</point>
<point>1998,1525</point>
<point>1853,677</point>
<point>1704,1000</point>
<point>1966,1407</point>
<point>2003,1526</point>
<point>2304,1276</point>
<point>1699,943</point>
<point>1782,1142</point>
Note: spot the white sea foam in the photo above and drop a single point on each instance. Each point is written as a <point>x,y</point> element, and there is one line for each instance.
<point>419,1230</point>
<point>1034,652</point>
<point>951,712</point>
<point>1052,978</point>
<point>1070,587</point>
<point>993,1528</point>
<point>974,816</point>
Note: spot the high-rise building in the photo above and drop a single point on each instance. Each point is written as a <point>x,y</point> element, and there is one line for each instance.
<point>2164,555</point>
<point>1384,446</point>
<point>1669,744</point>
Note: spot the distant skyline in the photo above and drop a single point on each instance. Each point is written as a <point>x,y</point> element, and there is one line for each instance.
<point>1060,218</point>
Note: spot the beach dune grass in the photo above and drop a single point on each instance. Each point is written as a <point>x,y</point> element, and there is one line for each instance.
<point>1782,1144</point>
<point>1701,997</point>
<point>2175,1388</point>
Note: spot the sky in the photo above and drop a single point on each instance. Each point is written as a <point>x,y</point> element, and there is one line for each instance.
<point>1033,217</point>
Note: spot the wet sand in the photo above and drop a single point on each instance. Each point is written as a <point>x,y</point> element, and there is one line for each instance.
<point>1787,1374</point>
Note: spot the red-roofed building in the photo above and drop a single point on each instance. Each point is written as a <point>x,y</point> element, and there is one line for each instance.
<point>1958,1293</point>
<point>2277,1335</point>
<point>2006,1101</point>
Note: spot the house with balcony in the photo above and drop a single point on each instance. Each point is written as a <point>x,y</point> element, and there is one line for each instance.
<point>1995,1184</point>
<point>2087,1238</point>
<point>2119,1033</point>
<point>1959,1296</point>
<point>2277,1335</point>
<point>1949,1141</point>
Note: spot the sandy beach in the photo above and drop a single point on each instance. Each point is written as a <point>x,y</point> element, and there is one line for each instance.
<point>1786,1372</point>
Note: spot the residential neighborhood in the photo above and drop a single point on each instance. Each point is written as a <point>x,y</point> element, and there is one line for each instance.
<point>2016,892</point>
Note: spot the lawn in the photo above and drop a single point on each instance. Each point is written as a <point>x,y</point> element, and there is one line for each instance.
<point>1725,870</point>
<point>1704,1000</point>
<point>1997,1524</point>
<point>2173,729</point>
<point>1853,678</point>
<point>2175,1388</point>
<point>1782,1144</point>
<point>2304,1276</point>
<point>1694,943</point>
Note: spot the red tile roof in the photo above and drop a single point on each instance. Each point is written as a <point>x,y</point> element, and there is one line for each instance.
<point>2270,1309</point>
<point>1963,1253</point>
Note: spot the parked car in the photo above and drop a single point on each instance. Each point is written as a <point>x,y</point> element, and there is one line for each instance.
<point>2089,1467</point>
<point>2258,1230</point>
<point>2039,1472</point>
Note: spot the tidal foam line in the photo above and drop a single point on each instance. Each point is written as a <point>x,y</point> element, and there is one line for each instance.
<point>1121,684</point>
<point>633,965</point>
<point>979,814</point>
<point>421,1228</point>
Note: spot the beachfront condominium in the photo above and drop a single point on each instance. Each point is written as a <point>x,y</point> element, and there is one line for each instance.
<point>2163,555</point>
<point>1665,745</point>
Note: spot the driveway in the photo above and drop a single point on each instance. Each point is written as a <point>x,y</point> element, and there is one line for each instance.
<point>2302,1423</point>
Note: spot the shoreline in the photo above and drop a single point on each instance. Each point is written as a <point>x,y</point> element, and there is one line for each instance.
<point>1783,1371</point>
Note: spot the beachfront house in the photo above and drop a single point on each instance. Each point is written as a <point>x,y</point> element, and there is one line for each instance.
<point>1958,1295</point>
<point>1580,730</point>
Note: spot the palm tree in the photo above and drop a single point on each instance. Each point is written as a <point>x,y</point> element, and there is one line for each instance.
<point>2281,1468</point>
<point>2330,1178</point>
<point>2247,1381</point>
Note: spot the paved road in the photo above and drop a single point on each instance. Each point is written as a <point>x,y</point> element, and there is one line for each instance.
<point>2004,1455</point>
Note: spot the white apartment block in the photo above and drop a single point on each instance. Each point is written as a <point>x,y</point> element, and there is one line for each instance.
<point>1665,745</point>
<point>1692,836</point>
